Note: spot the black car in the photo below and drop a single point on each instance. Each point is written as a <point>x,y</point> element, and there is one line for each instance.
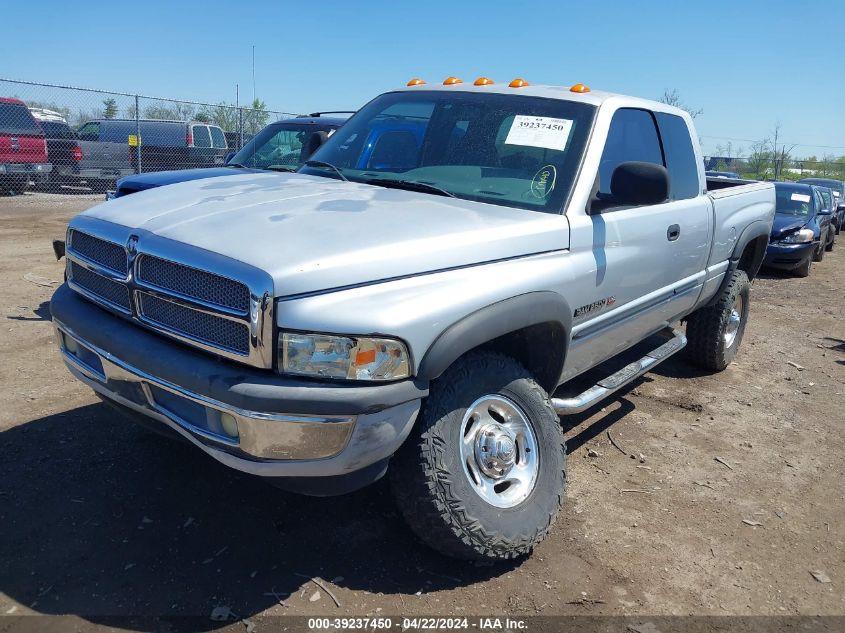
<point>63,150</point>
<point>802,229</point>
<point>281,146</point>
<point>838,189</point>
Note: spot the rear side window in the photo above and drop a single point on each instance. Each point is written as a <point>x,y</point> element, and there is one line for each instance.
<point>218,139</point>
<point>117,131</point>
<point>202,138</point>
<point>15,118</point>
<point>163,134</point>
<point>680,157</point>
<point>632,136</point>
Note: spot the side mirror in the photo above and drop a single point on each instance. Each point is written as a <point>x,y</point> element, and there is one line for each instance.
<point>825,212</point>
<point>636,183</point>
<point>228,157</point>
<point>841,206</point>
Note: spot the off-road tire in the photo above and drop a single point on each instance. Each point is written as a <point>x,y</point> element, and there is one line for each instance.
<point>427,477</point>
<point>706,345</point>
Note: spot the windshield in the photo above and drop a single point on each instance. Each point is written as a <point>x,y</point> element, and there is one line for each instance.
<point>16,119</point>
<point>511,150</point>
<point>55,129</point>
<point>836,186</point>
<point>791,201</point>
<point>278,146</point>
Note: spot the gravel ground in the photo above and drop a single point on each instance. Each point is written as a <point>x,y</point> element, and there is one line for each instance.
<point>736,477</point>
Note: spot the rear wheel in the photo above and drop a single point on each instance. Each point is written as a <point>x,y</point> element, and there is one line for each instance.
<point>715,332</point>
<point>482,476</point>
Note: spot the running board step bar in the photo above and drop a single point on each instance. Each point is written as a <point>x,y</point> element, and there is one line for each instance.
<point>605,387</point>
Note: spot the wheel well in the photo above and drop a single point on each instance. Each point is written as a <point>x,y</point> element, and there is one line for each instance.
<point>752,256</point>
<point>540,348</point>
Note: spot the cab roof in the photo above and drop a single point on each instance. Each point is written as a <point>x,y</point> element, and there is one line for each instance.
<point>564,93</point>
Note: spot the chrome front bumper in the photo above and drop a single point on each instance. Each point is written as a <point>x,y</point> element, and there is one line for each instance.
<point>265,444</point>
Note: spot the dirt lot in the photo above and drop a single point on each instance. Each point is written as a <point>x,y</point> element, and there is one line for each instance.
<point>98,518</point>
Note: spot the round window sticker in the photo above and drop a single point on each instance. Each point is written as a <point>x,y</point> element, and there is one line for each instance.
<point>543,182</point>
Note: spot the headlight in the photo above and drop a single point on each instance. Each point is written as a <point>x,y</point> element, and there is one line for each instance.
<point>799,237</point>
<point>352,358</point>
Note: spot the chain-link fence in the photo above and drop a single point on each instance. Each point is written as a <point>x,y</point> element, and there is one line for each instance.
<point>766,166</point>
<point>90,138</point>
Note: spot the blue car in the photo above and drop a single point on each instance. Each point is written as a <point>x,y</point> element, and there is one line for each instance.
<point>802,230</point>
<point>281,146</point>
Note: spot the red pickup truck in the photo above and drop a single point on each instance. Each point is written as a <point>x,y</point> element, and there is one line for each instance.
<point>23,148</point>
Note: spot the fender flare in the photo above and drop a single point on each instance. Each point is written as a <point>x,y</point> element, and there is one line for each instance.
<point>755,230</point>
<point>493,321</point>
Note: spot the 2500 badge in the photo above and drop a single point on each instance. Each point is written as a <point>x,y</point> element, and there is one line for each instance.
<point>594,306</point>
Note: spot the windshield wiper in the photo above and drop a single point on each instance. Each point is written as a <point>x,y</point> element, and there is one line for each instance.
<point>281,168</point>
<point>320,163</point>
<point>236,165</point>
<point>410,185</point>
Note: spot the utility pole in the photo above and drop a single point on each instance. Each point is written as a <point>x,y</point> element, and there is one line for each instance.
<point>253,74</point>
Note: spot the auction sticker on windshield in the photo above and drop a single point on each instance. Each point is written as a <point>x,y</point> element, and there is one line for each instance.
<point>539,131</point>
<point>800,197</point>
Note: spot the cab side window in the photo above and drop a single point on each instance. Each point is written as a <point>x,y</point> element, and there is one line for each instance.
<point>632,136</point>
<point>680,157</point>
<point>89,132</point>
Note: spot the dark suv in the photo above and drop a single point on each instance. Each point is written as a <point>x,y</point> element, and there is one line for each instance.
<point>109,147</point>
<point>281,146</point>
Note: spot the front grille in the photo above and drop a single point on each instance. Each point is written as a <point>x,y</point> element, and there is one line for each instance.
<point>113,292</point>
<point>194,283</point>
<point>108,254</point>
<point>205,328</point>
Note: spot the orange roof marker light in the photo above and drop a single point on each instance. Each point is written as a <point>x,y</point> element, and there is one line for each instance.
<point>579,88</point>
<point>483,81</point>
<point>416,82</point>
<point>518,83</point>
<point>451,81</point>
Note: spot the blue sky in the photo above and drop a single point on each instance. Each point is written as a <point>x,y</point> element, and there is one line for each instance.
<point>747,64</point>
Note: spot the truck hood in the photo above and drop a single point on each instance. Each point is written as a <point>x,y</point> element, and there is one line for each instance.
<point>785,223</point>
<point>139,182</point>
<point>312,233</point>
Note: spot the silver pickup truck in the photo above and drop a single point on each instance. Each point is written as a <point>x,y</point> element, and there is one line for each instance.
<point>411,300</point>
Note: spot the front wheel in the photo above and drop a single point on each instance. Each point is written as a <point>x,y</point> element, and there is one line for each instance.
<point>804,269</point>
<point>483,475</point>
<point>715,332</point>
<point>831,242</point>
<point>818,255</point>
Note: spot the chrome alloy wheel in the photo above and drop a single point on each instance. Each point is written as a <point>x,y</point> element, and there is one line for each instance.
<point>499,451</point>
<point>734,321</point>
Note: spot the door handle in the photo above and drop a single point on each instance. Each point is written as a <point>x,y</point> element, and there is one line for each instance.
<point>673,232</point>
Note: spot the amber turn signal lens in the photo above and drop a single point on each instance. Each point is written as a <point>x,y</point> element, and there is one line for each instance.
<point>483,81</point>
<point>451,81</point>
<point>365,357</point>
<point>579,88</point>
<point>416,82</point>
<point>518,83</point>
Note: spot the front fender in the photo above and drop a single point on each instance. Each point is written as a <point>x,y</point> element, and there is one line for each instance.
<point>496,320</point>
